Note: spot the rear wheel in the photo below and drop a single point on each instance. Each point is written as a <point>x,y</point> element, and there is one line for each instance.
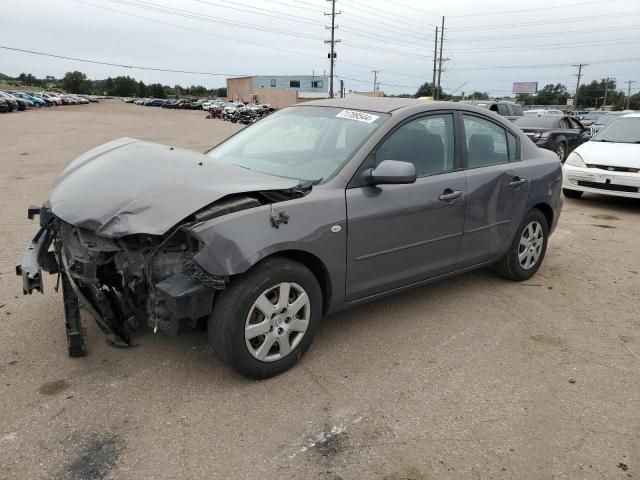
<point>561,151</point>
<point>528,248</point>
<point>572,193</point>
<point>265,321</point>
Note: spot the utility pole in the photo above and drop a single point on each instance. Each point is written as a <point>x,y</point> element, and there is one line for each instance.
<point>606,90</point>
<point>437,95</point>
<point>435,65</point>
<point>575,99</point>
<point>629,82</point>
<point>332,42</point>
<point>375,80</point>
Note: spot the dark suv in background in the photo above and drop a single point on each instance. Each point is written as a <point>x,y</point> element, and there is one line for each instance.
<point>509,110</point>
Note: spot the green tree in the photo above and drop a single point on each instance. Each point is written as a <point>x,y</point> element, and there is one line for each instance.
<point>427,90</point>
<point>142,89</point>
<point>156,90</point>
<point>220,92</point>
<point>75,82</point>
<point>592,95</point>
<point>551,95</point>
<point>123,87</point>
<point>478,96</point>
<point>634,102</point>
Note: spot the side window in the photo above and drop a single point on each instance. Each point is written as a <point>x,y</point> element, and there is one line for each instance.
<point>513,146</point>
<point>503,110</point>
<point>486,142</point>
<point>427,142</point>
<point>517,110</point>
<point>564,123</point>
<point>575,124</point>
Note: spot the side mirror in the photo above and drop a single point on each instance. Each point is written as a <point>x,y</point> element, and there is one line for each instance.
<point>393,172</point>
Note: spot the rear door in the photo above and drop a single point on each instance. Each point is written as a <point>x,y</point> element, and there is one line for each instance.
<point>402,234</point>
<point>577,131</point>
<point>497,189</point>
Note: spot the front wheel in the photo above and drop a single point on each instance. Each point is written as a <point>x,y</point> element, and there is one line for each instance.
<point>265,321</point>
<point>528,248</point>
<point>572,193</point>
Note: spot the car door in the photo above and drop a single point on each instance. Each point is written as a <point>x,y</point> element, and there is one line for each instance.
<point>577,136</point>
<point>402,234</point>
<point>497,189</point>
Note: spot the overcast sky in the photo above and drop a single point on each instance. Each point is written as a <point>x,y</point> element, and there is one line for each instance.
<point>484,40</point>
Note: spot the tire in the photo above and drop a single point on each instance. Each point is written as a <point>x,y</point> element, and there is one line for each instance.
<point>572,193</point>
<point>236,309</point>
<point>561,151</point>
<point>510,265</point>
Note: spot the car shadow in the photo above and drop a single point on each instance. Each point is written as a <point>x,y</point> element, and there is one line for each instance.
<point>621,204</point>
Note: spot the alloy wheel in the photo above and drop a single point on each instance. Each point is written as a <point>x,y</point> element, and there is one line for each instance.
<point>530,246</point>
<point>277,321</point>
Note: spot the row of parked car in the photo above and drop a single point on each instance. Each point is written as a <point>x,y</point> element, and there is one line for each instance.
<point>181,104</point>
<point>236,112</point>
<point>14,100</point>
<point>556,130</point>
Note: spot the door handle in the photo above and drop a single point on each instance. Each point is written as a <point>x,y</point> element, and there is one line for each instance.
<point>517,182</point>
<point>450,195</point>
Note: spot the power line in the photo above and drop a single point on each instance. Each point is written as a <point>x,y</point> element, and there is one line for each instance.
<point>546,65</point>
<point>402,18</point>
<point>620,41</point>
<point>544,34</point>
<point>546,22</point>
<point>137,67</point>
<point>506,12</point>
<point>414,8</point>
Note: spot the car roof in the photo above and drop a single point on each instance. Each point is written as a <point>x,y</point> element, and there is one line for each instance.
<point>632,115</point>
<point>372,104</point>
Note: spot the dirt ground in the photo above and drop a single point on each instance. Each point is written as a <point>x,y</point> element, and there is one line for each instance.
<point>474,377</point>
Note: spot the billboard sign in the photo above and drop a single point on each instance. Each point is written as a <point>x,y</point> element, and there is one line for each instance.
<point>525,87</point>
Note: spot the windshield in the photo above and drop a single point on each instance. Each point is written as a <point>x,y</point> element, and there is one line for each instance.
<point>622,130</point>
<point>604,119</point>
<point>542,121</point>
<point>305,143</point>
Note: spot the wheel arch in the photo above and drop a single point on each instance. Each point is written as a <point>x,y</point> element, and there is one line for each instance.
<point>317,267</point>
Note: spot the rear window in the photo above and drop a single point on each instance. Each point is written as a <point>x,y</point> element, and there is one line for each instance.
<point>537,122</point>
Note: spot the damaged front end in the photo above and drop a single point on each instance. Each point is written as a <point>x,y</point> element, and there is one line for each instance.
<point>122,282</point>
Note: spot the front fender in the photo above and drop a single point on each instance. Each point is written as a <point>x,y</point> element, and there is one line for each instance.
<point>315,224</point>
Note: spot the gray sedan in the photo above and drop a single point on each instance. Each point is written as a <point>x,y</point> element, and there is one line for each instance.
<point>313,209</point>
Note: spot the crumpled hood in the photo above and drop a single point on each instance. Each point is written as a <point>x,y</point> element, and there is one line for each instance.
<point>131,186</point>
<point>610,154</point>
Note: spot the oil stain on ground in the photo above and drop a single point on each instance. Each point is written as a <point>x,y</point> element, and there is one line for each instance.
<point>600,225</point>
<point>51,388</point>
<point>95,458</point>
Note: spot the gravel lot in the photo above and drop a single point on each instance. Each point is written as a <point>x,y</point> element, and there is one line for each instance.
<point>474,377</point>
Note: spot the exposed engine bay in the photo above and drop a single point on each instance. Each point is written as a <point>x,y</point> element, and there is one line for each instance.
<point>135,279</point>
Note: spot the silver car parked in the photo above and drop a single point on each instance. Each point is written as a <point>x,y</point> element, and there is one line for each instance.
<point>311,210</point>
